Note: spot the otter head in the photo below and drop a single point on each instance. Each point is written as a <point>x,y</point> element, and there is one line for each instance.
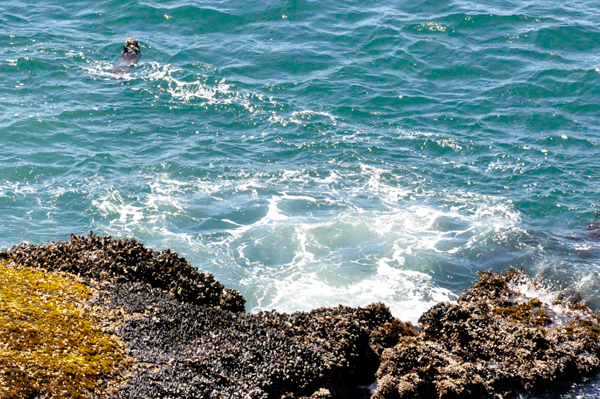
<point>131,53</point>
<point>131,47</point>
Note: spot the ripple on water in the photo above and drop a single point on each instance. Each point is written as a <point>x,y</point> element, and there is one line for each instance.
<point>311,153</point>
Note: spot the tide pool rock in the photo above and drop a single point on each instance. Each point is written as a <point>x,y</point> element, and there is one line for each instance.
<point>184,350</point>
<point>178,333</point>
<point>183,344</point>
<point>507,335</point>
<point>128,261</point>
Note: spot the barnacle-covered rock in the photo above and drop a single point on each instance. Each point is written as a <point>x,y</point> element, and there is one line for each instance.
<point>127,260</point>
<point>507,335</point>
<point>207,352</point>
<point>189,337</point>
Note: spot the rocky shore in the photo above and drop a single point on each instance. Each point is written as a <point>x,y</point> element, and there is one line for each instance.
<point>184,335</point>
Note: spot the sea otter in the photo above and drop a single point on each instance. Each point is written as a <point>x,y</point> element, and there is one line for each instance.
<point>131,52</point>
<point>130,55</point>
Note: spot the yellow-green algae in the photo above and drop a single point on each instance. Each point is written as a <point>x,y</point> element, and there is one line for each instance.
<point>48,343</point>
<point>530,312</point>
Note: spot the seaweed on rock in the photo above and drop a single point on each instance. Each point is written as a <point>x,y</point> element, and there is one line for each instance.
<point>190,338</point>
<point>50,346</point>
<point>127,260</point>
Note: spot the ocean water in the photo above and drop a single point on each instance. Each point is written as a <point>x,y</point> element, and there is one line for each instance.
<point>312,153</point>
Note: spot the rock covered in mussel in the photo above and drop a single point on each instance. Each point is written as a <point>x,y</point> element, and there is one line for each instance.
<point>127,260</point>
<point>189,337</point>
<point>507,335</point>
<point>188,351</point>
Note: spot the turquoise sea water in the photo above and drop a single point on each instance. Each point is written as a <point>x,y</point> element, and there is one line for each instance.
<point>310,153</point>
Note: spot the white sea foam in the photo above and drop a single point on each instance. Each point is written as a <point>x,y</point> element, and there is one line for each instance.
<point>187,91</point>
<point>164,192</point>
<point>302,117</point>
<point>208,93</point>
<point>125,216</point>
<point>16,188</point>
<point>167,78</point>
<point>335,238</point>
<point>555,301</point>
<point>408,293</point>
<point>166,198</point>
<point>362,275</point>
<point>433,26</point>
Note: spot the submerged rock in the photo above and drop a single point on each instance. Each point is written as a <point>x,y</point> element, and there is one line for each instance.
<point>504,337</point>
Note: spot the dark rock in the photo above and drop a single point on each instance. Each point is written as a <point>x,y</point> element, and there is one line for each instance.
<point>126,260</point>
<point>190,338</point>
<point>495,342</point>
<point>188,351</point>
